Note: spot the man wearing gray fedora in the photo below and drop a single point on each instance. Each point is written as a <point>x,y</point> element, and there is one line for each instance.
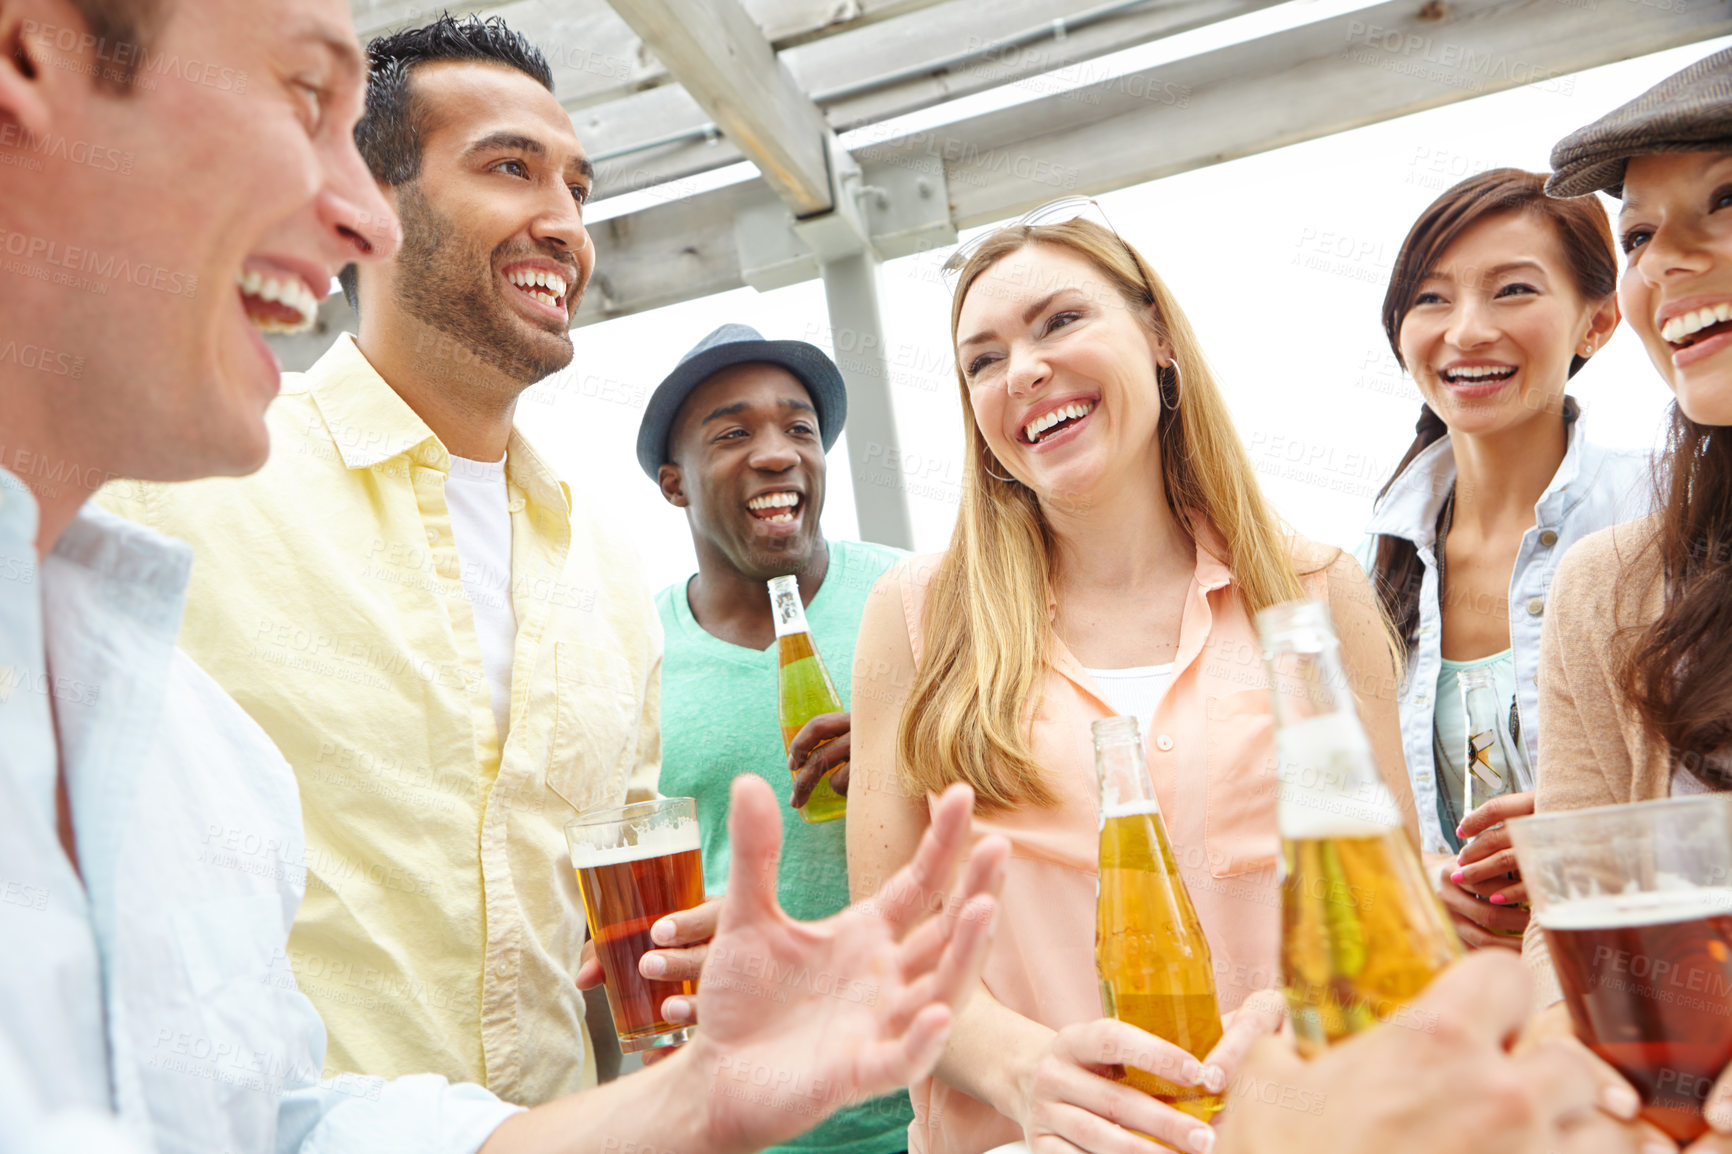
<point>736,436</point>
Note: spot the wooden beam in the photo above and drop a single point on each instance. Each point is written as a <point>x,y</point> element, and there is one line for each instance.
<point>722,59</point>
<point>867,74</point>
<point>1381,62</point>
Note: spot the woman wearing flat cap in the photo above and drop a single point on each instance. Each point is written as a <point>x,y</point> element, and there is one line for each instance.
<point>1636,660</point>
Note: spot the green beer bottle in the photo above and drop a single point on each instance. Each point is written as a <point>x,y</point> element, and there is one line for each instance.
<point>803,689</point>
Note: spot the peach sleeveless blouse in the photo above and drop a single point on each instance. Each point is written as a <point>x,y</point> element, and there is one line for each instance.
<point>1211,754</point>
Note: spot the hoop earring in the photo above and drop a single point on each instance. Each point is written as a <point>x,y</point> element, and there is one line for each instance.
<point>990,473</point>
<point>1178,386</point>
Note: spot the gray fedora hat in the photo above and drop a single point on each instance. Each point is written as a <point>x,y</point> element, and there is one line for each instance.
<point>740,345</point>
<point>1690,111</point>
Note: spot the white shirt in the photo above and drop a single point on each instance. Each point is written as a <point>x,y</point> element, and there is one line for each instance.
<point>150,1006</point>
<point>1134,692</point>
<point>1593,488</point>
<point>480,507</point>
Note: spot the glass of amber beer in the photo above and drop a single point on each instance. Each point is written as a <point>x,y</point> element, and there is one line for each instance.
<point>635,865</point>
<point>1636,904</point>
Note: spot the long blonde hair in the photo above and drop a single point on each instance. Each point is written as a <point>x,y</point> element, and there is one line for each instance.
<point>987,635</point>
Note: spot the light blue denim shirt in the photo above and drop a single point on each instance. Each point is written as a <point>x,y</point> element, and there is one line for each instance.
<point>1594,487</point>
<point>149,1006</point>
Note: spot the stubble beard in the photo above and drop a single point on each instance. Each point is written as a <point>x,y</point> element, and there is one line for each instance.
<point>448,285</point>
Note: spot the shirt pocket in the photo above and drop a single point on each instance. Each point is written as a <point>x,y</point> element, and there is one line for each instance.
<point>1242,833</point>
<point>595,726</point>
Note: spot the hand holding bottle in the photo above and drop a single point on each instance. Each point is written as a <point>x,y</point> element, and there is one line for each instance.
<point>1076,1099</point>
<point>822,745</point>
<point>1484,893</point>
<point>805,694</point>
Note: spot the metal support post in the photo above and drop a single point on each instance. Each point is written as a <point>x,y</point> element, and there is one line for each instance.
<point>851,292</point>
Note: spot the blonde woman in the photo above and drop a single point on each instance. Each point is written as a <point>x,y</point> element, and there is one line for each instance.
<point>1111,549</point>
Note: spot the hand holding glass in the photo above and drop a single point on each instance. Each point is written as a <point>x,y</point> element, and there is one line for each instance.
<point>635,865</point>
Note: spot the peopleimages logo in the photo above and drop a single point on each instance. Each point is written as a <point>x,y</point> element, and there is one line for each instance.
<point>115,61</point>
<point>90,262</point>
<point>41,358</point>
<point>57,147</point>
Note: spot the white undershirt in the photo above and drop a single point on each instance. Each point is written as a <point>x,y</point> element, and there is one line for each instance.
<point>1134,692</point>
<point>1687,784</point>
<point>481,525</point>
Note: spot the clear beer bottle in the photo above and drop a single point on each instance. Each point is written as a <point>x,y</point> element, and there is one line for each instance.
<point>1361,931</point>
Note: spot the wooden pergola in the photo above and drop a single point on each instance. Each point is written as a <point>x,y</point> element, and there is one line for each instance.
<point>817,95</point>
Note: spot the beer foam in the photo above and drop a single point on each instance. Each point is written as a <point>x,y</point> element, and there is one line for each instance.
<point>1330,786</point>
<point>650,843</point>
<point>1624,911</point>
<point>1132,809</point>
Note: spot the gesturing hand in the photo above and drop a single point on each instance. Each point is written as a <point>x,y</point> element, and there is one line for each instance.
<point>822,742</point>
<point>802,1018</point>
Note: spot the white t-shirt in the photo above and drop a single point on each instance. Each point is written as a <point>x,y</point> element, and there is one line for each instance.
<point>1134,692</point>
<point>481,525</point>
<point>1687,784</point>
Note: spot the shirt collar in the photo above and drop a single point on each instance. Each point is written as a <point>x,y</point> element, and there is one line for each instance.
<point>369,423</point>
<point>526,469</point>
<point>18,517</point>
<point>148,570</point>
<point>367,420</point>
<point>1212,572</point>
<point>1410,508</point>
<point>1565,481</point>
<point>152,570</point>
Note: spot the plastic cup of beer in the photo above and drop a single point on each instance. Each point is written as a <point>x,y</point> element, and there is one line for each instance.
<point>1636,905</point>
<point>635,865</point>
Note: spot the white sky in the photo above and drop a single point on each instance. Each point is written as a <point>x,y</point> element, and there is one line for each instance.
<point>1280,260</point>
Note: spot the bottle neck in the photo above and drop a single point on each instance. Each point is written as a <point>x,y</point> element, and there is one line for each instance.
<point>1124,777</point>
<point>1308,682</point>
<point>1329,784</point>
<point>786,608</point>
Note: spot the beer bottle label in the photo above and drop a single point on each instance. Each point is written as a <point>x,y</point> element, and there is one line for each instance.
<point>785,606</point>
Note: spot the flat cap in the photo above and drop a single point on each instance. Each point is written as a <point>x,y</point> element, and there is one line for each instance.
<point>1690,111</point>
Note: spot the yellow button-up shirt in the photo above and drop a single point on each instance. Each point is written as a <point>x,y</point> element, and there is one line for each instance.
<point>442,922</point>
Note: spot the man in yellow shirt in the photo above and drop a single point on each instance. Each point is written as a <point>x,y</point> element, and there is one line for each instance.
<point>454,656</point>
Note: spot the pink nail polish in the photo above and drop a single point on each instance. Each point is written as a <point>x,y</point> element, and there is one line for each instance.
<point>1457,876</point>
<point>1498,899</point>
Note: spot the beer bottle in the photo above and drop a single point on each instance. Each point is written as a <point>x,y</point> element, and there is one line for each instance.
<point>1495,764</point>
<point>803,689</point>
<point>1361,931</point>
<point>1153,961</point>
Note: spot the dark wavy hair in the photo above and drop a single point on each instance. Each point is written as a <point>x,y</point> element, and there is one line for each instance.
<point>391,126</point>
<point>1591,257</point>
<point>1677,671</point>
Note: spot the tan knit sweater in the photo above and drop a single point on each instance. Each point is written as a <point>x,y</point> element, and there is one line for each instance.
<point>1593,750</point>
